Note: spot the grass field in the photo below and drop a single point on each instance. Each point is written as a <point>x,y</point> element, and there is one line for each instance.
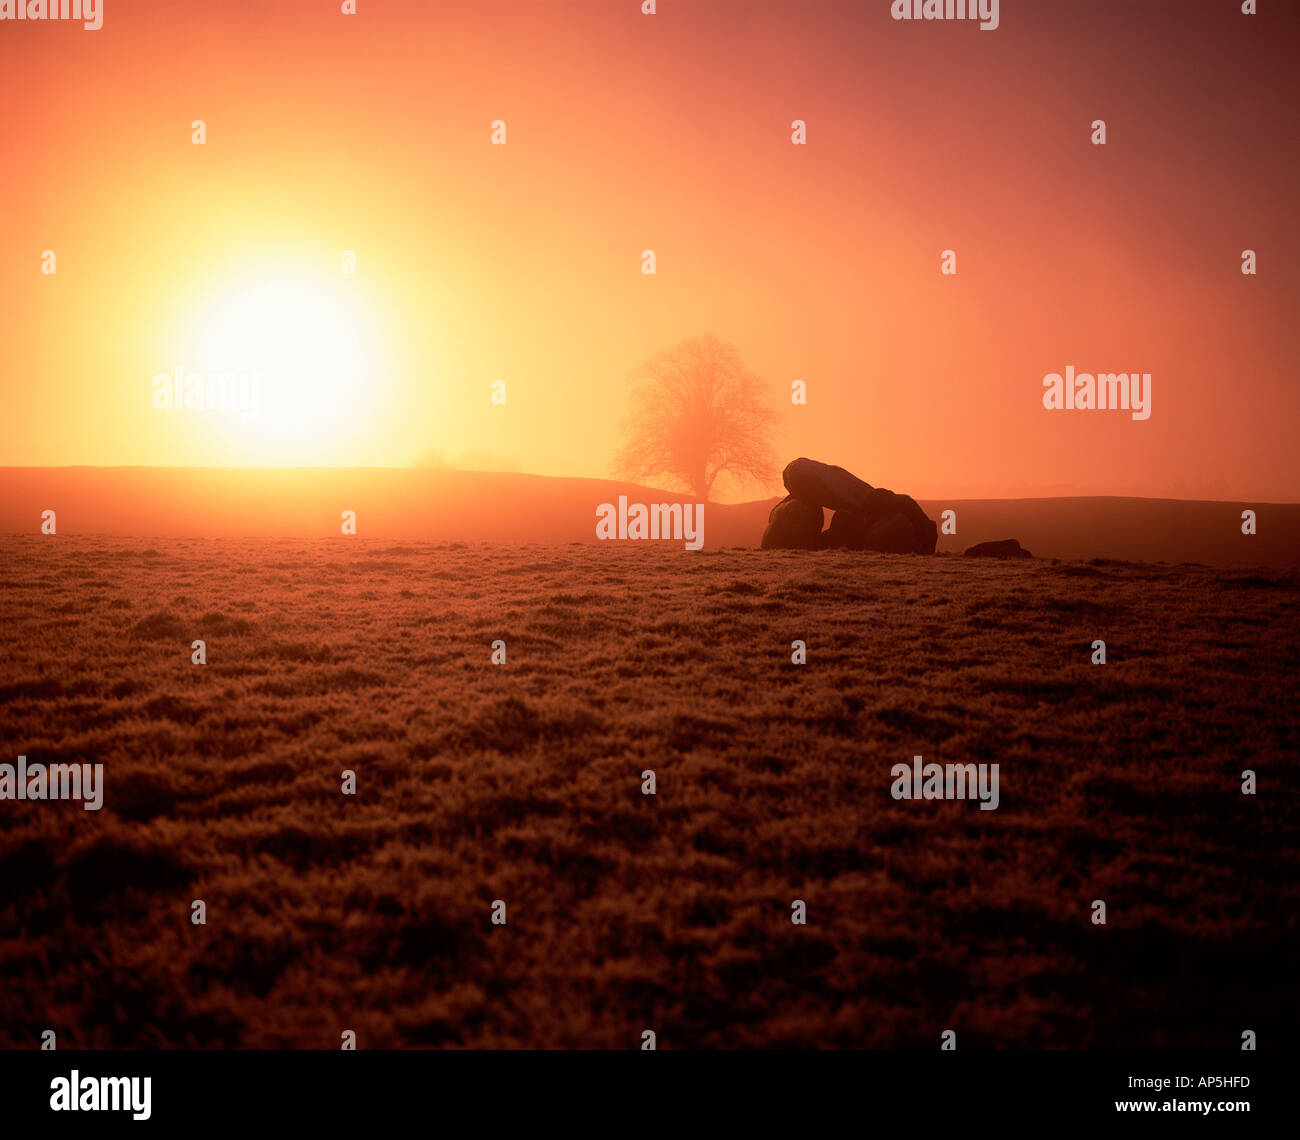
<point>522,782</point>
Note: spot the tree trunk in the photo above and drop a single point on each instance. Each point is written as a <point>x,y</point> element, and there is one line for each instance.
<point>700,482</point>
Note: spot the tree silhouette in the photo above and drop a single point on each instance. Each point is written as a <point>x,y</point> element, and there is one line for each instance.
<point>698,413</point>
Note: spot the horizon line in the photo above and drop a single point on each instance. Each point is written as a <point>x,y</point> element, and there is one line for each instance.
<point>967,497</point>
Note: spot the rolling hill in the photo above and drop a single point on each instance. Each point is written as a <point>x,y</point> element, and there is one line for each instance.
<point>440,505</point>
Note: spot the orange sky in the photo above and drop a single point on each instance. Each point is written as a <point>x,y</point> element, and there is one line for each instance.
<point>668,132</point>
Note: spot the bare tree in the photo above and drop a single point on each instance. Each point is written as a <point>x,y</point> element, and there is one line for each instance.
<point>698,413</point>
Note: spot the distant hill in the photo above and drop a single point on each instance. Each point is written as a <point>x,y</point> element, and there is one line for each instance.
<point>470,506</point>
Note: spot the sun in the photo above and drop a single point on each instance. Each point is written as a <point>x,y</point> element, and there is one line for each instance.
<point>302,346</point>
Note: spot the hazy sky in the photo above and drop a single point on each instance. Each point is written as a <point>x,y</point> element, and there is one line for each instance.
<point>625,132</point>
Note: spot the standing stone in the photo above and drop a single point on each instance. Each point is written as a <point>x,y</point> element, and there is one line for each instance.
<point>848,530</point>
<point>893,534</point>
<point>793,524</point>
<point>884,504</point>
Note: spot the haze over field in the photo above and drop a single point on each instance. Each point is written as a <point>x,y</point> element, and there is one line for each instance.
<point>523,262</point>
<point>475,506</point>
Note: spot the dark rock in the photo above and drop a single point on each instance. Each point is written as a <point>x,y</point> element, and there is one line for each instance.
<point>881,505</point>
<point>925,531</point>
<point>865,518</point>
<point>848,530</point>
<point>793,524</point>
<point>893,534</point>
<point>825,485</point>
<point>1005,548</point>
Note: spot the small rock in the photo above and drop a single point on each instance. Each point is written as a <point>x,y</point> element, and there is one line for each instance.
<point>1004,548</point>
